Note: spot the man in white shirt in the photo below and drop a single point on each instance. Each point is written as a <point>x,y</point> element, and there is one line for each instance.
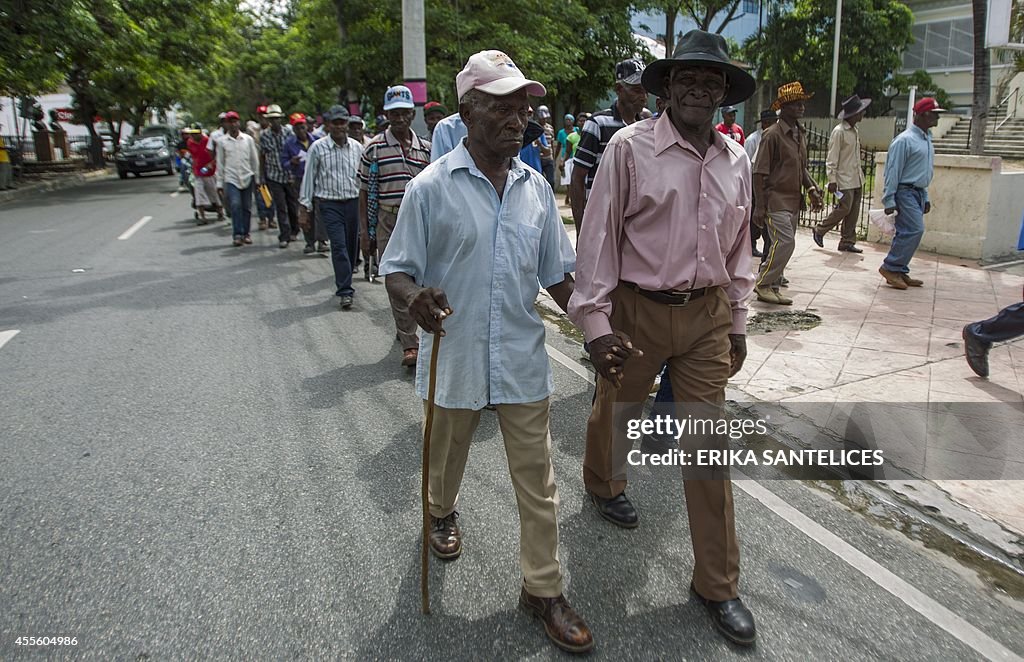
<point>238,175</point>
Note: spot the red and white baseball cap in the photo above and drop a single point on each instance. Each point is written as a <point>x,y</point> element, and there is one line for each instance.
<point>928,105</point>
<point>231,115</point>
<point>494,72</point>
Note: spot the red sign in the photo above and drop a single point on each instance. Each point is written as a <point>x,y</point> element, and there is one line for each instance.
<point>65,115</point>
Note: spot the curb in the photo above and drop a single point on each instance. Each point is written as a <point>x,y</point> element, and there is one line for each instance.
<point>57,183</point>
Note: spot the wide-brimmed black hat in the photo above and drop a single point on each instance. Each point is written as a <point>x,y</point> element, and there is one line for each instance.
<point>852,106</point>
<point>700,48</point>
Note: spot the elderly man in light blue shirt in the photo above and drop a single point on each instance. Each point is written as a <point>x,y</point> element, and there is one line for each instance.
<point>448,133</point>
<point>478,234</point>
<point>908,172</point>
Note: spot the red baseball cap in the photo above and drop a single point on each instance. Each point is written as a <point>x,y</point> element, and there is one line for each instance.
<point>928,105</point>
<point>261,110</point>
<point>231,115</point>
<point>296,118</point>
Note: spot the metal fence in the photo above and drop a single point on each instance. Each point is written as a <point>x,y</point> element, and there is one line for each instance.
<point>817,151</point>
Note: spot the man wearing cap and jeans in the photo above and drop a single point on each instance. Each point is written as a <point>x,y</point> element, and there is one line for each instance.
<point>630,99</point>
<point>908,172</point>
<point>665,258</point>
<point>331,180</point>
<point>278,179</point>
<point>478,234</point>
<point>393,158</point>
<point>238,175</point>
<point>845,176</point>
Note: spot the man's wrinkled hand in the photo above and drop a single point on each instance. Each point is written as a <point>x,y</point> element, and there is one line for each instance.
<point>817,201</point>
<point>833,187</point>
<point>758,216</point>
<point>927,207</point>
<point>609,354</point>
<point>889,211</point>
<point>428,307</point>
<point>737,352</point>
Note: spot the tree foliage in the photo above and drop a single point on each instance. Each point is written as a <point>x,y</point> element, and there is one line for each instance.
<point>706,14</point>
<point>798,45</point>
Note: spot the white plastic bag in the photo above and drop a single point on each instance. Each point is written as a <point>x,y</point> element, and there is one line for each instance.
<point>882,221</point>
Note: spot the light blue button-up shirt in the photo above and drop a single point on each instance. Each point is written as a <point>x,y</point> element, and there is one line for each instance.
<point>911,160</point>
<point>491,257</point>
<point>448,133</point>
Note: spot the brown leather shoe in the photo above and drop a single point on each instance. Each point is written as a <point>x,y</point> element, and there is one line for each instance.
<point>445,537</point>
<point>894,279</point>
<point>913,282</point>
<point>564,627</point>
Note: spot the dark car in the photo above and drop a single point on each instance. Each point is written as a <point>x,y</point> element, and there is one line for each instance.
<point>145,154</point>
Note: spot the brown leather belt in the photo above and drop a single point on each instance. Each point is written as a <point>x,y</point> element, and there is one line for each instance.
<point>670,297</point>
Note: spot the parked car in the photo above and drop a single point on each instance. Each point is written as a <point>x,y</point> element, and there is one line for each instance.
<point>145,154</point>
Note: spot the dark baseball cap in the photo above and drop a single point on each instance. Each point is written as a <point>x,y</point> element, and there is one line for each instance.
<point>629,72</point>
<point>336,112</point>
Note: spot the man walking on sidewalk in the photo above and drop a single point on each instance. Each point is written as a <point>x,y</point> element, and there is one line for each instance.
<point>845,176</point>
<point>480,230</point>
<point>908,172</point>
<point>666,257</point>
<point>238,167</point>
<point>332,166</point>
<point>390,162</point>
<point>780,175</point>
<point>752,144</point>
<point>293,159</point>
<point>278,179</point>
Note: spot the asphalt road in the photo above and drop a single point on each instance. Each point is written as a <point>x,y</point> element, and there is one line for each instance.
<point>204,458</point>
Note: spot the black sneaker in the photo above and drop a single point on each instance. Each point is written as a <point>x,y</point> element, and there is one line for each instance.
<point>309,249</point>
<point>346,302</point>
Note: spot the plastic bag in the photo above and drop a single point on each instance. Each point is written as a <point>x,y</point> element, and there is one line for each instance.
<point>885,223</point>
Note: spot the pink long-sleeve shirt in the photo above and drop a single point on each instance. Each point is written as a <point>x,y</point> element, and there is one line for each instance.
<point>663,217</point>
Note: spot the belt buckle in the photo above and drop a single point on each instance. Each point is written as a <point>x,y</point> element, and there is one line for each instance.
<point>687,296</point>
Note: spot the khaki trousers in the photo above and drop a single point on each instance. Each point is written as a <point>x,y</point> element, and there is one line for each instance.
<point>846,212</point>
<point>528,449</point>
<point>404,323</point>
<point>781,227</point>
<point>694,341</point>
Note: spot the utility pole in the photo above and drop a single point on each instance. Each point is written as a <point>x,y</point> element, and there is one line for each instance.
<point>414,58</point>
<point>835,59</point>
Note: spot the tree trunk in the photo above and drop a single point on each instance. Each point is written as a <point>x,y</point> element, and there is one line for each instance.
<point>671,11</point>
<point>980,105</point>
<point>79,83</point>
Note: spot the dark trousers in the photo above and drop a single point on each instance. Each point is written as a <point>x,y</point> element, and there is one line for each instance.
<point>548,170</point>
<point>287,205</point>
<point>1007,324</point>
<point>341,220</point>
<point>240,207</point>
<point>846,212</point>
<point>316,232</point>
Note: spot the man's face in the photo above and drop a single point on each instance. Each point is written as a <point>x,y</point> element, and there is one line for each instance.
<point>728,118</point>
<point>355,129</point>
<point>792,111</point>
<point>631,96</point>
<point>499,122</point>
<point>569,126</point>
<point>432,118</point>
<point>853,119</point>
<point>275,123</point>
<point>400,119</point>
<point>768,122</point>
<point>300,130</point>
<point>694,93</point>
<point>338,128</point>
<point>927,120</point>
<point>232,125</point>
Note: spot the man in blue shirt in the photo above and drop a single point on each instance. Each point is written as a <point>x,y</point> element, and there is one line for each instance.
<point>478,235</point>
<point>908,171</point>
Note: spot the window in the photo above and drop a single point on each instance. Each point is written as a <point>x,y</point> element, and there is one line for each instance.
<point>940,45</point>
<point>751,6</point>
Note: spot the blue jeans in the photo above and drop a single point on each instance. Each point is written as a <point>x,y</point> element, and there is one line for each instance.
<point>1006,325</point>
<point>341,220</point>
<point>909,229</point>
<point>240,207</point>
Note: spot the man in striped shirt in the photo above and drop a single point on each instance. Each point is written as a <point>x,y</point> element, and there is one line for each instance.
<point>332,165</point>
<point>631,97</point>
<point>389,163</point>
<point>278,179</point>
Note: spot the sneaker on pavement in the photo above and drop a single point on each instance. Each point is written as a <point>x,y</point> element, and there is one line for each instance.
<point>272,225</point>
<point>282,244</point>
<point>322,247</point>
<point>309,249</point>
<point>262,226</point>
<point>237,241</point>
<point>247,239</point>
<point>346,302</point>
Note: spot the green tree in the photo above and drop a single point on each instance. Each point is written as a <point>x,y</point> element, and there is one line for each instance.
<point>797,45</point>
<point>704,13</point>
<point>899,84</point>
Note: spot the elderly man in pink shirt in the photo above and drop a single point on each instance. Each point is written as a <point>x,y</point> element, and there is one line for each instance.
<point>662,276</point>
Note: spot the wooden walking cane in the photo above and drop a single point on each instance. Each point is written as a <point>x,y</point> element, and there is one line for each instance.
<point>424,588</point>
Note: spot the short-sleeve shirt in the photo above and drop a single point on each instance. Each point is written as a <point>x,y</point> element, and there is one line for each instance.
<point>782,158</point>
<point>396,167</point>
<point>201,156</point>
<point>490,257</point>
<point>594,137</point>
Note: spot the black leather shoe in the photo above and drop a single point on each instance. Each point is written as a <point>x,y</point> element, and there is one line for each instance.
<point>850,248</point>
<point>617,510</point>
<point>819,239</point>
<point>976,352</point>
<point>731,618</point>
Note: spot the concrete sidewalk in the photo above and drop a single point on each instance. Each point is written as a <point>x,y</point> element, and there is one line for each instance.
<point>879,344</point>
